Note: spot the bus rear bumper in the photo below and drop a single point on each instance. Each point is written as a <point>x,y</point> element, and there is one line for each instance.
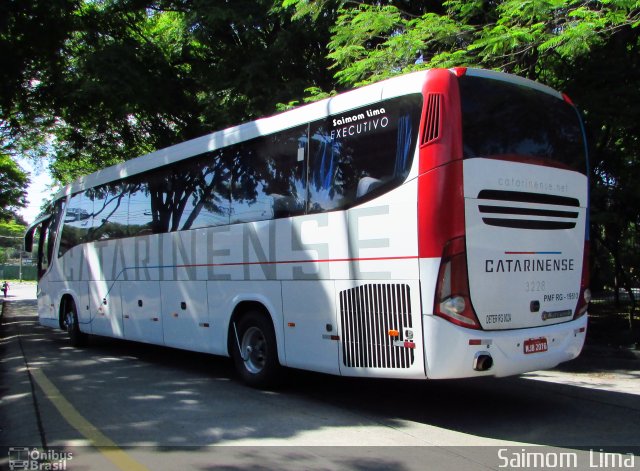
<point>452,351</point>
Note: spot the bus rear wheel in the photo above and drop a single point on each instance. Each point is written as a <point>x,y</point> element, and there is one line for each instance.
<point>255,353</point>
<point>77,338</point>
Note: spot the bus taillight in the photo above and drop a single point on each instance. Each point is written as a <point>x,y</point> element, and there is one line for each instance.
<point>452,291</point>
<point>585,292</point>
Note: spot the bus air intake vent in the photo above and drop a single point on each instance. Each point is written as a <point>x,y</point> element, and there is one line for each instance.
<point>368,313</point>
<point>551,212</point>
<point>432,118</point>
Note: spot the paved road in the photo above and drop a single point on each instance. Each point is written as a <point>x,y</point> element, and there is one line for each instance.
<point>121,405</point>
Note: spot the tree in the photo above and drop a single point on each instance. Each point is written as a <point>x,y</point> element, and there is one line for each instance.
<point>13,183</point>
<point>11,237</point>
<point>117,78</point>
<point>32,36</point>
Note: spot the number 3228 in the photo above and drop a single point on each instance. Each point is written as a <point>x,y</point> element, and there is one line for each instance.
<point>534,286</point>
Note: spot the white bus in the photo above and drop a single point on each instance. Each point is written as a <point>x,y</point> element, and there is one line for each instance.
<point>433,225</point>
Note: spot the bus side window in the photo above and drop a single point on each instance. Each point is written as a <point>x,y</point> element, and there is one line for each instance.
<point>357,155</point>
<point>206,192</point>
<point>140,220</point>
<point>43,259</point>
<point>77,222</point>
<point>188,194</point>
<point>269,176</point>
<point>110,211</point>
<point>54,227</point>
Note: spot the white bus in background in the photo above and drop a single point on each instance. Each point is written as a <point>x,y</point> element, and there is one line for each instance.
<point>433,225</point>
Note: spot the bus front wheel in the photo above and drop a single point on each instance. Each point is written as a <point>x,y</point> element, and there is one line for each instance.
<point>255,354</point>
<point>77,338</point>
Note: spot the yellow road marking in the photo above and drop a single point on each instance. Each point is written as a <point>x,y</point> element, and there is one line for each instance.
<point>104,444</point>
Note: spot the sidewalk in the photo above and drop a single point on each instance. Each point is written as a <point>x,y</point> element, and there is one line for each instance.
<point>20,291</point>
<point>18,411</point>
<point>598,367</point>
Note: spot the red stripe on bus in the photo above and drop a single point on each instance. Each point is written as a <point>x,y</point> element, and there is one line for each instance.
<point>282,262</point>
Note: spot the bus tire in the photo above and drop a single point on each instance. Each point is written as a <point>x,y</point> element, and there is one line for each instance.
<point>255,352</point>
<point>76,336</point>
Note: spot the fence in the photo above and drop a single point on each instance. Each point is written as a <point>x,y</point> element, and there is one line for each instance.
<point>12,272</point>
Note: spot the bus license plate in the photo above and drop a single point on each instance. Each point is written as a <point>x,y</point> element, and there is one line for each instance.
<point>535,345</point>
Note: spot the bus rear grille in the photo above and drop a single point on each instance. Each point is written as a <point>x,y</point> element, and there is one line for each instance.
<point>544,218</point>
<point>368,313</point>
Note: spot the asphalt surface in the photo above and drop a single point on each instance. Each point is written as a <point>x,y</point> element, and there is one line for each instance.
<point>123,405</point>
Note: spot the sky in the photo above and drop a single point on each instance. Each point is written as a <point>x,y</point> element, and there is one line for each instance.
<point>38,190</point>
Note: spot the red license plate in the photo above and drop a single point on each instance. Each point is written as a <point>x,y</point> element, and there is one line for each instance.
<point>535,345</point>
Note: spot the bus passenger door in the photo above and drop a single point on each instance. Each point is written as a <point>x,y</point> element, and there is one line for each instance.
<point>141,312</point>
<point>310,326</point>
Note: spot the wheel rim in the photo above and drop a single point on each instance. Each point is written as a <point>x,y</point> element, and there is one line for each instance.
<point>254,350</point>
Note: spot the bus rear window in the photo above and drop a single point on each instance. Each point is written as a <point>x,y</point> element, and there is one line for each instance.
<point>506,120</point>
